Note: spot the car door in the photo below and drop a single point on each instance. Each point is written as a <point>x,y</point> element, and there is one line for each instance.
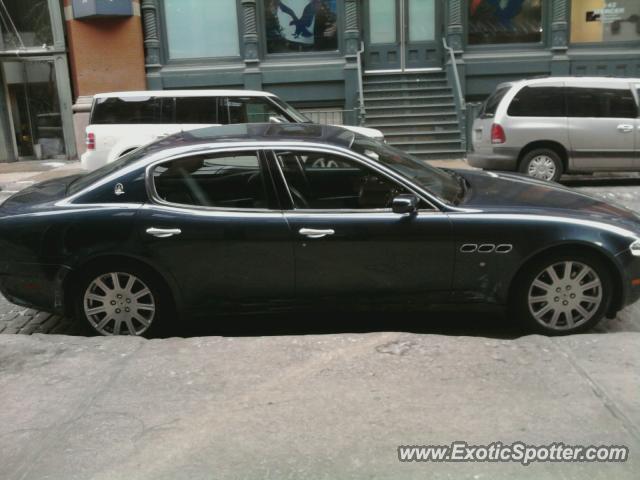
<point>348,242</point>
<point>636,89</point>
<point>602,125</point>
<point>213,224</point>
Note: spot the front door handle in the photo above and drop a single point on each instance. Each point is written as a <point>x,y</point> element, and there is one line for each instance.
<point>625,128</point>
<point>313,233</point>
<point>163,232</point>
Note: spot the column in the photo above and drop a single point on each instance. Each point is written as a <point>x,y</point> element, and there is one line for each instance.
<point>153,65</point>
<point>252,73</point>
<point>560,64</point>
<point>351,39</point>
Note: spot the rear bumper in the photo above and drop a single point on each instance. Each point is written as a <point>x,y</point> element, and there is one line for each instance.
<point>34,285</point>
<point>498,158</point>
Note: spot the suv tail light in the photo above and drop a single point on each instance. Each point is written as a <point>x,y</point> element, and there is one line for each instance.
<point>91,141</point>
<point>497,134</point>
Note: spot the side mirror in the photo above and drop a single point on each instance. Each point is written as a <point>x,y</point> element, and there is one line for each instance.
<point>275,119</point>
<point>405,204</point>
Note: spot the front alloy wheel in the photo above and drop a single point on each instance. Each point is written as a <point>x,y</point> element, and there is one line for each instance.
<point>562,294</point>
<point>565,295</point>
<point>119,303</point>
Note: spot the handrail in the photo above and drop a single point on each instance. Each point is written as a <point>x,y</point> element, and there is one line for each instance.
<point>456,76</point>
<point>362,112</point>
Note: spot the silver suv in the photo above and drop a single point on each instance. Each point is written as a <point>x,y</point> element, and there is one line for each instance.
<point>549,126</point>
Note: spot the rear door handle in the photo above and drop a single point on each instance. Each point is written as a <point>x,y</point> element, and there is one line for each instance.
<point>163,232</point>
<point>313,233</point>
<point>625,128</point>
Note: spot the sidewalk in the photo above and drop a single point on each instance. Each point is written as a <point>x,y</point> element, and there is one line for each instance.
<point>316,407</point>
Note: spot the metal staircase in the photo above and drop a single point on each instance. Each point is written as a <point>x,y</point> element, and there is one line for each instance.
<point>416,112</point>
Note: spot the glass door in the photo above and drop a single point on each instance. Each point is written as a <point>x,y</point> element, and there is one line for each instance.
<point>34,109</point>
<point>401,35</point>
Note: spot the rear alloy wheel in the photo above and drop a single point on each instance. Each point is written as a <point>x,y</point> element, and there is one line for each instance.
<point>124,301</point>
<point>564,295</point>
<point>543,164</point>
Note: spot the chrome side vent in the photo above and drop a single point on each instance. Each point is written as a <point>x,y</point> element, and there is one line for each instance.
<point>469,248</point>
<point>486,248</point>
<point>504,248</point>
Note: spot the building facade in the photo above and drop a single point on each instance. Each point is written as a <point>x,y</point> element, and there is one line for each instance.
<point>317,54</point>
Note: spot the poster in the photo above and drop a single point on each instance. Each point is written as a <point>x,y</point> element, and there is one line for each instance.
<point>301,25</point>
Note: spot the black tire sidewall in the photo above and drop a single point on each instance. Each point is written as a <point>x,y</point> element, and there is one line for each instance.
<point>519,302</point>
<point>552,154</point>
<point>161,295</point>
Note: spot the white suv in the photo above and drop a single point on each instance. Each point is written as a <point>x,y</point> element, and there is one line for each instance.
<point>124,121</point>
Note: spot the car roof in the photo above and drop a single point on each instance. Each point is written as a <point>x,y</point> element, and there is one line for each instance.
<point>573,80</point>
<point>260,133</point>
<point>185,93</point>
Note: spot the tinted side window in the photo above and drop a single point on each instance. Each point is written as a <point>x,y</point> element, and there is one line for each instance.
<point>229,180</point>
<point>538,102</point>
<point>491,104</point>
<point>132,110</point>
<point>601,102</point>
<point>326,182</point>
<point>202,110</point>
<point>249,110</point>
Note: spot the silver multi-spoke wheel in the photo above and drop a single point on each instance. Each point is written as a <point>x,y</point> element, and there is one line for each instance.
<point>119,303</point>
<point>542,167</point>
<point>565,295</point>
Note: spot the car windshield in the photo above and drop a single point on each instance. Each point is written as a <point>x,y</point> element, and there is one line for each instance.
<point>88,179</point>
<point>446,185</point>
<point>289,111</point>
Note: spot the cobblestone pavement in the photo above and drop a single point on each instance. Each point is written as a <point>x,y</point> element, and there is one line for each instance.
<point>20,320</point>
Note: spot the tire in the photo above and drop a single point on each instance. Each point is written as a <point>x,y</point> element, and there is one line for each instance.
<point>546,310</point>
<point>139,305</point>
<point>543,164</point>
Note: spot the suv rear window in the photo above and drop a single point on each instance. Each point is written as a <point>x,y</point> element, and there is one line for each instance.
<point>197,110</point>
<point>132,110</point>
<point>601,102</point>
<point>491,104</point>
<point>543,101</point>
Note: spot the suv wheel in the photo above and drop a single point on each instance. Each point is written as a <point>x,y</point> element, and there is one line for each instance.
<point>542,163</point>
<point>562,294</point>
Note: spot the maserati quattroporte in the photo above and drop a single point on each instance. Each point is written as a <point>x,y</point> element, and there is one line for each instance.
<point>284,215</point>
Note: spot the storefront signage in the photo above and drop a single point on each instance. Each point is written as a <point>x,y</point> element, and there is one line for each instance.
<point>84,9</point>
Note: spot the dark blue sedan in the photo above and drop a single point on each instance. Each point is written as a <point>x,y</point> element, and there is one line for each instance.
<point>257,217</point>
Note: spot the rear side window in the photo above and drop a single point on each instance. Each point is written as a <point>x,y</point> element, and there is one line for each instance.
<point>491,104</point>
<point>203,110</point>
<point>538,102</point>
<point>601,102</point>
<point>228,180</point>
<point>249,110</point>
<point>132,110</point>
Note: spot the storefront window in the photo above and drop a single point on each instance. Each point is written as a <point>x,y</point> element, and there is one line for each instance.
<point>25,24</point>
<point>605,21</point>
<point>505,21</point>
<point>202,28</point>
<point>301,25</point>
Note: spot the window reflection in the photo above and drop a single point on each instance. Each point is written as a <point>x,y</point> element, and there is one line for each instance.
<point>25,24</point>
<point>505,21</point>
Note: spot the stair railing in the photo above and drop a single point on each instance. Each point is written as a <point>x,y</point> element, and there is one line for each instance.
<point>361,110</point>
<point>459,97</point>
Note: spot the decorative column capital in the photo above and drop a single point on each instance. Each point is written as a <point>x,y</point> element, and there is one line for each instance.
<point>250,32</point>
<point>149,10</point>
